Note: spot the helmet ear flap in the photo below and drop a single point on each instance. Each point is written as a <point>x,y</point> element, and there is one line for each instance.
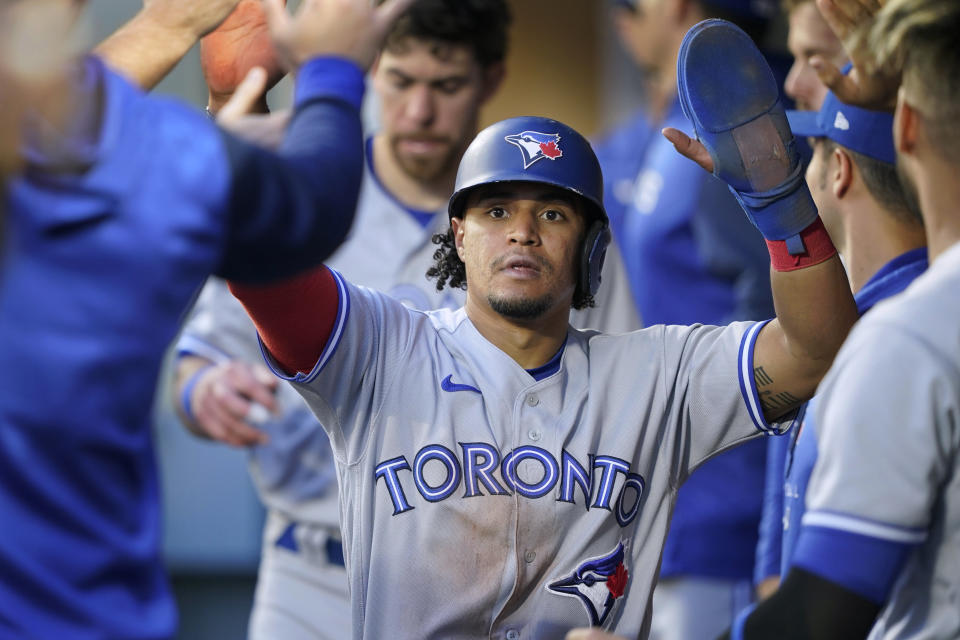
<point>594,251</point>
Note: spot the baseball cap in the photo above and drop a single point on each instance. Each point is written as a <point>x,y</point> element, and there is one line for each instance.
<point>861,130</point>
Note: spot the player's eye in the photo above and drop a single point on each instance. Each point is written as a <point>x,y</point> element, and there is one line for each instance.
<point>451,85</point>
<point>552,215</point>
<point>497,212</point>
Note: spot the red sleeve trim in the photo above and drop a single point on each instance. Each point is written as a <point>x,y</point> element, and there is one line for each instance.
<point>817,243</point>
<point>294,317</point>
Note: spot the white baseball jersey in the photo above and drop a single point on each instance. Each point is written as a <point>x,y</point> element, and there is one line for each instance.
<point>888,471</point>
<point>387,250</point>
<point>477,501</point>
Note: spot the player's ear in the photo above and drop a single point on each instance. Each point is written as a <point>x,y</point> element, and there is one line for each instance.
<point>841,172</point>
<point>493,75</point>
<point>905,125</point>
<point>456,226</point>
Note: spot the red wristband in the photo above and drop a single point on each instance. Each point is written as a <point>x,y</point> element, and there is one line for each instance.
<point>818,247</point>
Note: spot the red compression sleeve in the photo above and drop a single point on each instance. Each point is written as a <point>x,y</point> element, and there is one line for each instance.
<point>294,317</point>
<point>818,246</point>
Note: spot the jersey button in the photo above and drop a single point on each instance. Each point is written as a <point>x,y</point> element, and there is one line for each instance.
<point>534,434</point>
<point>513,634</point>
<point>533,400</point>
<point>530,556</point>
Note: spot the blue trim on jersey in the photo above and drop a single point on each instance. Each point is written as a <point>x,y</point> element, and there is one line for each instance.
<point>864,526</point>
<point>748,385</point>
<point>547,370</point>
<point>740,621</point>
<point>863,564</point>
<point>424,218</point>
<point>189,345</point>
<point>343,313</point>
<point>892,278</point>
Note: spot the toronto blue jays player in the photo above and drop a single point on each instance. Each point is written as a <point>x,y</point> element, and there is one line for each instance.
<point>876,554</point>
<point>114,223</point>
<point>854,183</point>
<point>441,61</point>
<point>501,473</point>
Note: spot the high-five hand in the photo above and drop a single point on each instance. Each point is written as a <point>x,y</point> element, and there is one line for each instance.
<point>347,28</point>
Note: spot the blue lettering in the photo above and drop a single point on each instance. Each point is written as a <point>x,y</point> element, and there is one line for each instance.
<point>388,471</point>
<point>474,470</point>
<point>574,475</point>
<point>448,460</point>
<point>546,483</point>
<point>634,481</point>
<point>611,466</point>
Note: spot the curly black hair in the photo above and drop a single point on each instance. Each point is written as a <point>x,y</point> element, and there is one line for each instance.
<point>480,24</point>
<point>449,270</point>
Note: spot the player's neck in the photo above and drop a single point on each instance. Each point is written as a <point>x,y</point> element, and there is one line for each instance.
<point>531,343</point>
<point>424,195</point>
<point>939,193</point>
<point>872,238</point>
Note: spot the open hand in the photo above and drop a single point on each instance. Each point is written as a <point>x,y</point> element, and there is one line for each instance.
<point>349,29</point>
<point>865,85</point>
<point>239,44</point>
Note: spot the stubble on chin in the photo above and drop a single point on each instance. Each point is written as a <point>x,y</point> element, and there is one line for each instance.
<point>520,308</point>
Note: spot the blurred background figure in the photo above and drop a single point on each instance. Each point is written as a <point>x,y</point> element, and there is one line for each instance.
<point>691,256</point>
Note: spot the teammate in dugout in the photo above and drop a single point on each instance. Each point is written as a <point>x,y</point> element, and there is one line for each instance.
<point>441,62</point>
<point>501,473</point>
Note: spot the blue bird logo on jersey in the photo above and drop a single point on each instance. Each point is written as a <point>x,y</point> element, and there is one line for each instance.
<point>536,146</point>
<point>598,583</point>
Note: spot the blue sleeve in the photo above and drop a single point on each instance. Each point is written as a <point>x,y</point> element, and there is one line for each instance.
<point>862,564</point>
<point>288,211</point>
<point>767,563</point>
<point>732,249</point>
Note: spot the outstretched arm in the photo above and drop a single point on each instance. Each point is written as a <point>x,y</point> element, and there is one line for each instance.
<point>153,42</point>
<point>744,139</point>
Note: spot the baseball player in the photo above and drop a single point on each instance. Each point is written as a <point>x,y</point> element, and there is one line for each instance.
<point>115,222</point>
<point>502,474</point>
<point>442,60</point>
<point>877,552</point>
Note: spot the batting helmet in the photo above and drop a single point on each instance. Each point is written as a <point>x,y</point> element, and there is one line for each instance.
<point>545,151</point>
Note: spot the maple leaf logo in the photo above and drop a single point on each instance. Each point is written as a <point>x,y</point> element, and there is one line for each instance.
<point>617,583</point>
<point>551,150</point>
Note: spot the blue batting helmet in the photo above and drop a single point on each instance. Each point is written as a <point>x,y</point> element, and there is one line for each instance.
<point>544,151</point>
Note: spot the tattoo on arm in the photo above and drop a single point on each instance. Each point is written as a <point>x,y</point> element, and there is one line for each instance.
<point>772,401</point>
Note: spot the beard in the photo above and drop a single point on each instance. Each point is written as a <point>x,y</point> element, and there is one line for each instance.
<point>521,308</point>
<point>426,168</point>
<point>910,196</point>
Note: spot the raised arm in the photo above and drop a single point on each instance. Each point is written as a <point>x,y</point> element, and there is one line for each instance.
<point>745,140</point>
<point>153,42</point>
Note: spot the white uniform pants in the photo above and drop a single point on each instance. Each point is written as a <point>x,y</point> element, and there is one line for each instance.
<point>302,591</point>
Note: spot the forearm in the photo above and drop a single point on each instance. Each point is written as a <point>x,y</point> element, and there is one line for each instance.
<point>815,311</point>
<point>290,211</point>
<point>145,50</point>
<point>808,607</point>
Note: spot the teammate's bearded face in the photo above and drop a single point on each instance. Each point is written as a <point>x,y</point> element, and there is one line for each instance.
<point>810,35</point>
<point>520,244</point>
<point>430,96</point>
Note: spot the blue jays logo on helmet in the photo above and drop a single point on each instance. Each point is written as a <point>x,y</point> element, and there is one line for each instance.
<point>598,583</point>
<point>536,146</point>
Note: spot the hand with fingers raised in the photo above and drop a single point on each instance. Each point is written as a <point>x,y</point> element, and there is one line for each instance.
<point>350,29</point>
<point>228,401</point>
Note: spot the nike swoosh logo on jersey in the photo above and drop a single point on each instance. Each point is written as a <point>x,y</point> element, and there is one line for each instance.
<point>448,385</point>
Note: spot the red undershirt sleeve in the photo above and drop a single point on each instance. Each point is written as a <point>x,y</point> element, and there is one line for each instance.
<point>294,317</point>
